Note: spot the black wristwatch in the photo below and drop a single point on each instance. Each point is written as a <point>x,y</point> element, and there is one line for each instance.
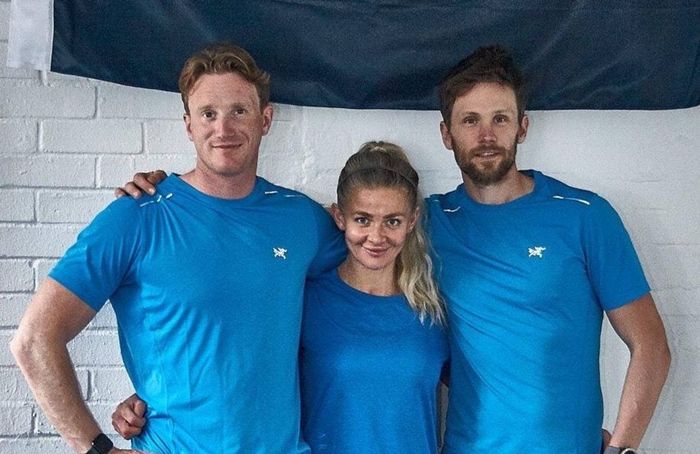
<point>616,450</point>
<point>101,445</point>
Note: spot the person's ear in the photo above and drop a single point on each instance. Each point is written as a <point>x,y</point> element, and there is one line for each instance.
<point>415,219</point>
<point>338,216</point>
<point>267,113</point>
<point>188,124</point>
<point>445,134</point>
<point>522,130</point>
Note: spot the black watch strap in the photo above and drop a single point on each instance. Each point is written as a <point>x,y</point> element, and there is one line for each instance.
<point>101,445</point>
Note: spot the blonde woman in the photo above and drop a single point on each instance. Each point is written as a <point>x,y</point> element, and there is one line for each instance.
<point>373,344</point>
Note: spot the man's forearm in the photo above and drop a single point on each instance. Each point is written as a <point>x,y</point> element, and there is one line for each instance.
<point>645,379</point>
<point>51,377</point>
<point>52,319</point>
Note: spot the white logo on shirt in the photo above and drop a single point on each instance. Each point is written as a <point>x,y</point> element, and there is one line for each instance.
<point>536,251</point>
<point>280,252</point>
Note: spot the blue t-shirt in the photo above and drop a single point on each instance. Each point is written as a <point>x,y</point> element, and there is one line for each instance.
<point>370,371</point>
<point>208,297</point>
<point>526,284</point>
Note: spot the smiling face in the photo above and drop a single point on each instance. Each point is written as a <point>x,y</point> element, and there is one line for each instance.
<point>376,222</point>
<point>226,123</point>
<point>484,132</point>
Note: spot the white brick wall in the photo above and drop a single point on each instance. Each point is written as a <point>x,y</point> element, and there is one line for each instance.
<point>65,142</point>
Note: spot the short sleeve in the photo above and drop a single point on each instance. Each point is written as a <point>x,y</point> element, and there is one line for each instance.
<point>612,263</point>
<point>102,256</point>
<point>331,244</point>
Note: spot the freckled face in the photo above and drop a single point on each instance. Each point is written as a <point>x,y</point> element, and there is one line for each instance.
<point>376,222</point>
<point>226,124</point>
<point>484,132</point>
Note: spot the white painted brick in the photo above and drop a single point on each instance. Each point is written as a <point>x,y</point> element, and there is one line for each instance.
<point>286,112</point>
<point>13,386</point>
<point>54,445</point>
<point>117,171</point>
<point>43,426</point>
<point>684,374</point>
<point>677,301</point>
<point>167,137</point>
<point>16,205</point>
<point>53,78</point>
<point>36,240</point>
<point>16,276</point>
<point>19,136</point>
<point>114,171</point>
<point>682,333</point>
<point>7,72</point>
<point>117,101</point>
<point>170,163</point>
<point>95,348</point>
<point>95,136</point>
<point>4,21</point>
<point>118,441</point>
<point>12,308</point>
<point>318,187</point>
<point>668,227</point>
<point>15,389</point>
<point>406,128</point>
<point>71,206</point>
<point>439,182</point>
<point>112,384</point>
<point>47,171</point>
<point>6,358</point>
<point>672,266</point>
<point>105,318</point>
<point>679,405</point>
<point>29,99</point>
<point>15,420</point>
<point>42,268</point>
<point>281,160</point>
<point>282,140</point>
<point>281,167</point>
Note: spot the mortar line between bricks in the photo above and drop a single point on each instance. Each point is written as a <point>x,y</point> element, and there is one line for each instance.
<point>96,103</point>
<point>30,436</point>
<point>89,385</point>
<point>38,132</point>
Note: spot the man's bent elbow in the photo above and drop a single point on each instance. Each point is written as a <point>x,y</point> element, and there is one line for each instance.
<point>28,349</point>
<point>21,348</point>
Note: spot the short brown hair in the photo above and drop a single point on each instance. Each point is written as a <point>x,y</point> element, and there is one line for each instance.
<point>222,58</point>
<point>486,64</point>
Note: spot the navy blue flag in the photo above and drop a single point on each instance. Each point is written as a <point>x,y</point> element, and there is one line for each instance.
<point>619,54</point>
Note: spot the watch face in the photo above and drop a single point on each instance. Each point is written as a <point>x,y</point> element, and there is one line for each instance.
<point>628,451</point>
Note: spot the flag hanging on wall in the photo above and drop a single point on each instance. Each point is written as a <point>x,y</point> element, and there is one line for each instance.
<point>642,54</point>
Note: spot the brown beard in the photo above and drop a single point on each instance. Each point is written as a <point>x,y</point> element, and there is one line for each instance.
<point>490,174</point>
